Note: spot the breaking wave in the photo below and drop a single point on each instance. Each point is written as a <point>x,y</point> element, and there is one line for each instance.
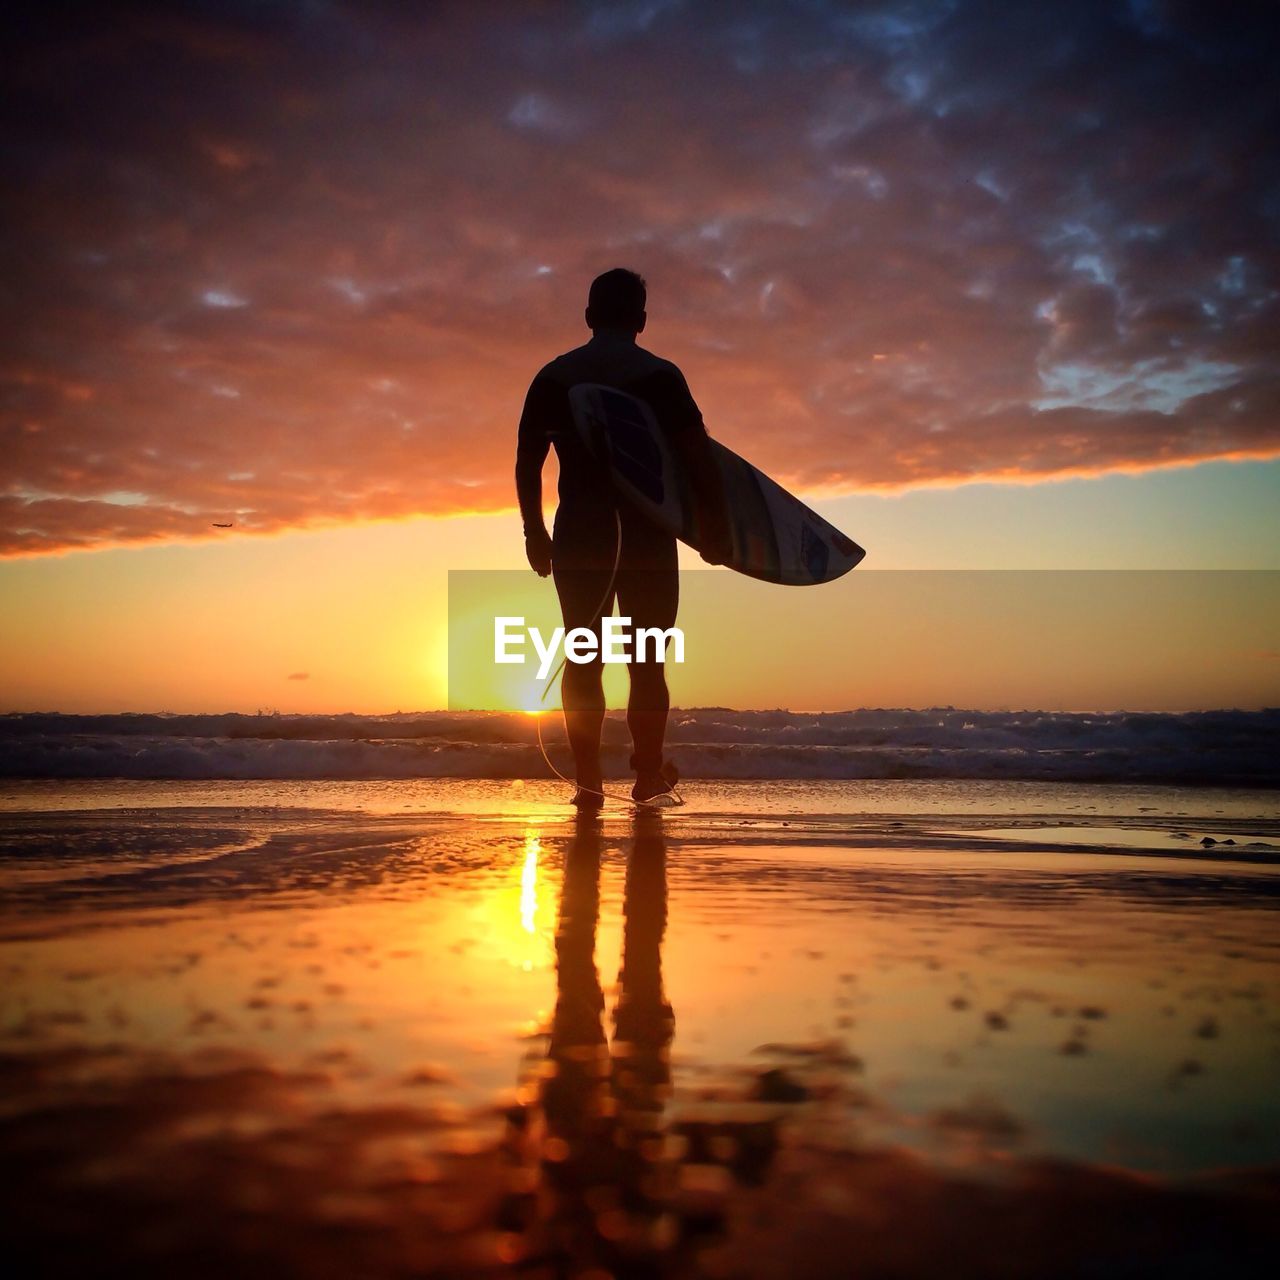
<point>1225,747</point>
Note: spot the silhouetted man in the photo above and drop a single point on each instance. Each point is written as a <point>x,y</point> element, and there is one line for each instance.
<point>591,517</point>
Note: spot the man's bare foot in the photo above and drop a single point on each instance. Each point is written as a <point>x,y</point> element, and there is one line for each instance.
<point>588,798</point>
<point>649,786</point>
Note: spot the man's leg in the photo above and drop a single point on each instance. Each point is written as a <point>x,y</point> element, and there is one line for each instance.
<point>648,594</point>
<point>582,694</point>
<point>581,582</point>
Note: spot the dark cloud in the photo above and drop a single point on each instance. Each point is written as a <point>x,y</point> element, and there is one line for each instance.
<point>295,265</point>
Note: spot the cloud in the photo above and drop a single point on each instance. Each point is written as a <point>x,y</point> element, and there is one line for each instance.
<point>295,267</point>
<point>537,112</point>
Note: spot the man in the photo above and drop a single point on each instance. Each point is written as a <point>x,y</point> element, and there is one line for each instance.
<point>591,517</point>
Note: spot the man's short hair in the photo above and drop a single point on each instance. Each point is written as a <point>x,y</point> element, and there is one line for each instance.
<point>617,299</point>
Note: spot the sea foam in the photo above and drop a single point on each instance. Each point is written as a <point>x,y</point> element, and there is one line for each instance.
<point>1223,747</point>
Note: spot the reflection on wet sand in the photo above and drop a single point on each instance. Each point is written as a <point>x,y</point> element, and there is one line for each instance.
<point>757,1175</point>
<point>593,1186</point>
<point>278,1047</point>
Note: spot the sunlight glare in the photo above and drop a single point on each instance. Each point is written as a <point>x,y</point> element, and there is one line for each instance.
<point>529,882</point>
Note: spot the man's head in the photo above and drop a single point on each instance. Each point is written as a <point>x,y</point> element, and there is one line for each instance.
<point>616,302</point>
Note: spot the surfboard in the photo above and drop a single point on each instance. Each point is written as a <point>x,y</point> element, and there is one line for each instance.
<point>775,537</point>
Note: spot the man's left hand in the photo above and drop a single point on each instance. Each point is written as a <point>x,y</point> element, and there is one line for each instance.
<point>537,547</point>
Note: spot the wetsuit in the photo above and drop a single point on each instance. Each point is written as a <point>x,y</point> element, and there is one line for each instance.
<point>586,530</point>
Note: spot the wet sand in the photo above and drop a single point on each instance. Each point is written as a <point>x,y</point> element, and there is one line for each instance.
<point>953,1033</point>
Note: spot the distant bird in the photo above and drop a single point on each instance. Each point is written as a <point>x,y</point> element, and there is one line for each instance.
<point>224,526</point>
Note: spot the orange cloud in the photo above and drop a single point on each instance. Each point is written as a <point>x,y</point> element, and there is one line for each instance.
<point>285,271</point>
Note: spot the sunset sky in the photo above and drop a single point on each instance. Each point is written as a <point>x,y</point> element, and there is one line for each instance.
<point>993,285</point>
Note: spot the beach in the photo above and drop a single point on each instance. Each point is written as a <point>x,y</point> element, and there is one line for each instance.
<point>813,1028</point>
<point>838,443</point>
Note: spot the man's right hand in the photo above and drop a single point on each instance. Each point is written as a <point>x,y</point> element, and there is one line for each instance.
<point>537,547</point>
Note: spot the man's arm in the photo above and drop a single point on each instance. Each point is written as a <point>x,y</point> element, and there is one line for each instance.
<point>532,443</point>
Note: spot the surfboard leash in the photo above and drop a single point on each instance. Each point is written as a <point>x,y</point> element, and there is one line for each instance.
<point>558,673</point>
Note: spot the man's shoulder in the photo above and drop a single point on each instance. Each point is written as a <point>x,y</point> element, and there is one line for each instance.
<point>666,369</point>
<point>564,366</point>
<point>626,368</point>
<point>659,365</point>
<point>655,371</point>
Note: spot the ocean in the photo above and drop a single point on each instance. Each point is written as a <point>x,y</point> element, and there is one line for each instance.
<point>1224,748</point>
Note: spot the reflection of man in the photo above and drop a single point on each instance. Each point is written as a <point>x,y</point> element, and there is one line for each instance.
<point>606,1182</point>
<point>643,1021</point>
<point>590,519</point>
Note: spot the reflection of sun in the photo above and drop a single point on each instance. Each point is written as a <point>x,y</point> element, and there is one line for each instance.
<point>513,916</point>
<point>529,882</point>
